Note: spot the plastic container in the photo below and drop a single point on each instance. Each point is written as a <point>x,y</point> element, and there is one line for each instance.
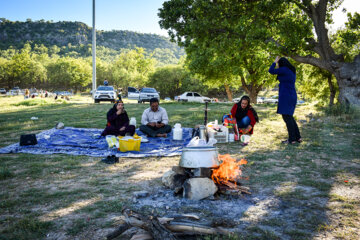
<point>132,121</point>
<point>245,138</point>
<point>231,135</point>
<point>177,132</point>
<point>127,144</point>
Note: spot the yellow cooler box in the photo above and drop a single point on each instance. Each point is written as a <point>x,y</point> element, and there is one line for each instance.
<point>129,143</point>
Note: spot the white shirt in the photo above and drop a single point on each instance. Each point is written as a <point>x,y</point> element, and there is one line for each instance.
<point>149,116</point>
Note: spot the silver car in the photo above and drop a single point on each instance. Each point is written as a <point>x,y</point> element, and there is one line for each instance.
<point>147,93</point>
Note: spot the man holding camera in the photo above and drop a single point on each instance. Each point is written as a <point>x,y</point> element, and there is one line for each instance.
<point>154,120</point>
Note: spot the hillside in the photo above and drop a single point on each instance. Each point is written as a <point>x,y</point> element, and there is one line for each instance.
<point>77,34</point>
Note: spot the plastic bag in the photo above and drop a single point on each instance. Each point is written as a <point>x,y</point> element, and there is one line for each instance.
<point>111,141</point>
<point>197,142</point>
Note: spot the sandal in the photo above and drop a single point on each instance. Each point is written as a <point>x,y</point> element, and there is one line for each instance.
<point>299,140</point>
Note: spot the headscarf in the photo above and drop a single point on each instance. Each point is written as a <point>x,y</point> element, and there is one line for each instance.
<point>242,112</point>
<point>283,62</point>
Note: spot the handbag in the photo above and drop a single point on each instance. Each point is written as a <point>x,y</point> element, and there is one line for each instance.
<point>28,139</point>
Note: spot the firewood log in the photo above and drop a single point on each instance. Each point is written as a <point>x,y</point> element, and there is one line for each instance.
<point>122,228</point>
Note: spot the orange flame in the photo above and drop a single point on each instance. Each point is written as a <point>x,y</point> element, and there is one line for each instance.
<point>229,169</point>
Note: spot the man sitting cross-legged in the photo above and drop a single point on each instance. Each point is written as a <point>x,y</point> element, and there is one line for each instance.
<point>154,120</point>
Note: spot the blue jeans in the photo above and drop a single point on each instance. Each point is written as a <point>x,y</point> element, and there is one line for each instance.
<point>243,123</point>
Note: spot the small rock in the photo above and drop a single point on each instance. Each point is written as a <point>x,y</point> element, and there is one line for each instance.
<point>140,194</point>
<point>167,207</point>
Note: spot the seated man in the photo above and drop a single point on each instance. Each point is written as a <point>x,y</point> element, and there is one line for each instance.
<point>154,121</point>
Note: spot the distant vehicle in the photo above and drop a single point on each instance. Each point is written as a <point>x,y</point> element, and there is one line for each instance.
<point>167,99</point>
<point>193,97</point>
<point>2,91</point>
<point>235,100</point>
<point>133,93</point>
<point>300,102</point>
<point>260,100</point>
<point>273,99</point>
<point>105,93</point>
<point>147,93</point>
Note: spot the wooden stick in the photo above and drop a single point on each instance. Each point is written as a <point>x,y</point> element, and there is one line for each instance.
<point>197,229</point>
<point>122,228</point>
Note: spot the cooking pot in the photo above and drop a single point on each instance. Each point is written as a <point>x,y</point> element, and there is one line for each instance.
<point>199,157</point>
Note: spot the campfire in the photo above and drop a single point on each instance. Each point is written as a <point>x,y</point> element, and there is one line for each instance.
<point>194,184</point>
<point>202,182</point>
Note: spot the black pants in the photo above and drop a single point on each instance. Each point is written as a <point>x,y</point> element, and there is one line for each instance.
<point>292,127</point>
<point>153,131</point>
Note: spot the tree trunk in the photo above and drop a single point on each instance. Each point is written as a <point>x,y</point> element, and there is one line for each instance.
<point>348,78</point>
<point>251,89</point>
<point>332,91</point>
<point>228,92</point>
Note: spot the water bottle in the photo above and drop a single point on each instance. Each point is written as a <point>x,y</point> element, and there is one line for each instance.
<point>177,132</point>
<point>133,121</point>
<point>231,135</point>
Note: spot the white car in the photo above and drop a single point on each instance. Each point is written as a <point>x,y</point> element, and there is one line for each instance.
<point>105,93</point>
<point>192,97</point>
<point>2,91</point>
<point>133,93</point>
<point>147,93</point>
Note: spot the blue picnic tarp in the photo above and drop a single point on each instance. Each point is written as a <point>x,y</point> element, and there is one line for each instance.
<point>87,141</point>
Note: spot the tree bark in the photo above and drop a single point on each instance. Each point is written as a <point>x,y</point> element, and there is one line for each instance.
<point>348,78</point>
<point>228,92</point>
<point>332,91</point>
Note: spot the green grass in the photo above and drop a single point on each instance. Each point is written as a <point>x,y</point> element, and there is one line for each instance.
<point>73,195</point>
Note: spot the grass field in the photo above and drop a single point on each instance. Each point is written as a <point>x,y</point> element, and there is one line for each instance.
<point>316,183</point>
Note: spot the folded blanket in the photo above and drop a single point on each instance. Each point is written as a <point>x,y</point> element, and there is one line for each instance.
<point>87,141</point>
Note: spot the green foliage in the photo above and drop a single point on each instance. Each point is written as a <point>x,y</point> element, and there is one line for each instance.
<point>313,83</point>
<point>173,80</point>
<point>69,73</point>
<point>132,68</point>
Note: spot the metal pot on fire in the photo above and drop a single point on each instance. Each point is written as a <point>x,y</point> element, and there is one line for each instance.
<point>199,157</point>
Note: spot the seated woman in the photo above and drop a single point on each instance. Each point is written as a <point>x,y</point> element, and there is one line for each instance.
<point>118,121</point>
<point>245,115</point>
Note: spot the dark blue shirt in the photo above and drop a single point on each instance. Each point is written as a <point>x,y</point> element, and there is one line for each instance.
<point>287,93</point>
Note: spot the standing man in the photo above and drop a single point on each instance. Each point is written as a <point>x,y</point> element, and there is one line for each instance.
<point>154,120</point>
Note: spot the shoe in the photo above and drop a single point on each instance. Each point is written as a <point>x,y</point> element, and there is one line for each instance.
<point>288,142</point>
<point>299,140</point>
<point>110,159</point>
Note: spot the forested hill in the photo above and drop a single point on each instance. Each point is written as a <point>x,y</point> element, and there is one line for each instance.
<point>78,35</point>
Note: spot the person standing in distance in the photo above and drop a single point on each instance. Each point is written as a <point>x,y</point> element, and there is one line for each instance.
<point>154,120</point>
<point>286,74</point>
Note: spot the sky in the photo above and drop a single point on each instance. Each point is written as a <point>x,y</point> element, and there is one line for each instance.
<point>133,15</point>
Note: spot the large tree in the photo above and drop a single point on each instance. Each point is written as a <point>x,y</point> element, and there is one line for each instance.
<point>294,28</point>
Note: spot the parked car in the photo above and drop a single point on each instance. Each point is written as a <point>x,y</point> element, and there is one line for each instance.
<point>193,97</point>
<point>2,91</point>
<point>273,99</point>
<point>300,102</point>
<point>167,99</point>
<point>147,93</point>
<point>236,100</point>
<point>260,100</point>
<point>133,93</point>
<point>105,93</point>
